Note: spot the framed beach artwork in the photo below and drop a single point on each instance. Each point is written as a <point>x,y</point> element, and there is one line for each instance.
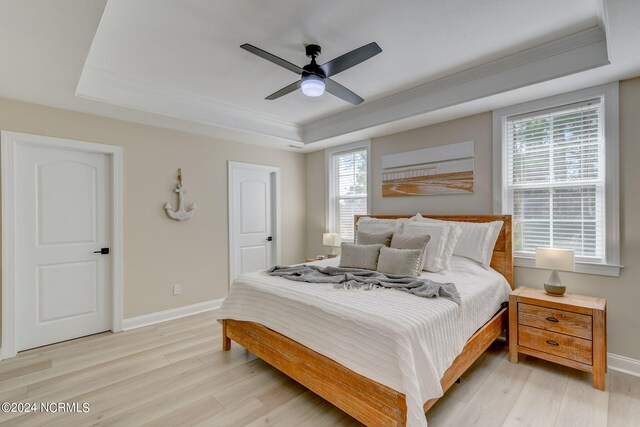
<point>434,171</point>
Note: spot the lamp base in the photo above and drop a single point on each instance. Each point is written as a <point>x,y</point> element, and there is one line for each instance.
<point>555,290</point>
<point>554,286</point>
<point>332,252</point>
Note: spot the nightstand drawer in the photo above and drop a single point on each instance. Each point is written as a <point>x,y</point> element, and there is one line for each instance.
<point>564,322</point>
<point>566,346</point>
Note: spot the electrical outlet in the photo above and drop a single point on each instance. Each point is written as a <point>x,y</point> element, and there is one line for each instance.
<point>177,289</point>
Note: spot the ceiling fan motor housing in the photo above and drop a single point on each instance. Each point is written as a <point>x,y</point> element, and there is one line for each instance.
<point>313,69</point>
<point>312,50</point>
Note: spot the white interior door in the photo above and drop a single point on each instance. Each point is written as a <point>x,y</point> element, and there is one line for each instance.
<point>62,287</point>
<point>253,218</point>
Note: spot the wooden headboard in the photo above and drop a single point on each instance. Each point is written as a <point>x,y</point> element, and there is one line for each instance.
<point>502,260</point>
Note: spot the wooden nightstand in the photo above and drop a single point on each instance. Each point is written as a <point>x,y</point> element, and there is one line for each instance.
<point>570,330</point>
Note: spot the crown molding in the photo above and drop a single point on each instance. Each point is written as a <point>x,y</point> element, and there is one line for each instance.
<point>104,86</point>
<point>576,52</point>
<point>567,55</point>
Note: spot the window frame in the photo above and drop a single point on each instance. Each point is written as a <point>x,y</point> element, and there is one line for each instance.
<point>330,183</point>
<point>609,95</point>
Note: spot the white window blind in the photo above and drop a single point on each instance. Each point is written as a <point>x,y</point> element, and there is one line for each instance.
<point>555,179</point>
<point>348,191</point>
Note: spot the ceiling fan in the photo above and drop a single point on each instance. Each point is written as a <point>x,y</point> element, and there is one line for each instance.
<point>314,78</point>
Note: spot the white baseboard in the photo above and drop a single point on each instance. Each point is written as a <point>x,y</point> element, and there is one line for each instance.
<point>174,313</point>
<point>623,364</point>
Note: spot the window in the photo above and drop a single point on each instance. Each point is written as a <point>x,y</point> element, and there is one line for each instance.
<point>555,178</point>
<point>348,187</point>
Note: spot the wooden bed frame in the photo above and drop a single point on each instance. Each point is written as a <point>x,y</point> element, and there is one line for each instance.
<point>368,401</point>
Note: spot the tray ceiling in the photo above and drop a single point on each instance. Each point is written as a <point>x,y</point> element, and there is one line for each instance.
<point>181,60</point>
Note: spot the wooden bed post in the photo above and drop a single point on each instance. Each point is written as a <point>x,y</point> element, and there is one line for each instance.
<point>226,341</point>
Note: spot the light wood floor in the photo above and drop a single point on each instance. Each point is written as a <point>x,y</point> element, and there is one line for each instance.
<point>175,374</point>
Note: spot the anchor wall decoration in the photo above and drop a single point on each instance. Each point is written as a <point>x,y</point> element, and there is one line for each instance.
<point>181,214</point>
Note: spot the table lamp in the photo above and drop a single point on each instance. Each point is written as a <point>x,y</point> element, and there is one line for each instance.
<point>332,240</point>
<point>554,260</point>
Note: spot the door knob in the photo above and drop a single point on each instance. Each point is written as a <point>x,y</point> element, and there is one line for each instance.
<point>270,238</point>
<point>103,251</point>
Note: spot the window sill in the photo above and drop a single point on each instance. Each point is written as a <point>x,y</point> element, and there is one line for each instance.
<point>580,267</point>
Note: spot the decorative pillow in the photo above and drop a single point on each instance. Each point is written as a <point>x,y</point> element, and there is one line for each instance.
<point>360,256</point>
<point>376,225</point>
<point>411,241</point>
<point>374,238</point>
<point>440,247</point>
<point>477,240</point>
<point>400,262</point>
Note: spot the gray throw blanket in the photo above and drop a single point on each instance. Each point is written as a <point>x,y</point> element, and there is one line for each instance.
<point>355,278</point>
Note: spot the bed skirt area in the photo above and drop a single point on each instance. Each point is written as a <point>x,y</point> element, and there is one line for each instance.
<point>369,402</point>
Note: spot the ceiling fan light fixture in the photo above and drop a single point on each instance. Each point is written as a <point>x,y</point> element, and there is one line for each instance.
<point>312,85</point>
<point>314,78</point>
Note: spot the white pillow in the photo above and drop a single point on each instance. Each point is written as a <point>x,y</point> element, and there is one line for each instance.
<point>477,240</point>
<point>439,251</point>
<point>375,225</point>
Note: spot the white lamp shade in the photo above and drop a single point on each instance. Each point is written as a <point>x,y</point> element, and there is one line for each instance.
<point>555,259</point>
<point>331,239</point>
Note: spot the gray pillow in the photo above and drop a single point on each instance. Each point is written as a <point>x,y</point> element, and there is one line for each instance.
<point>360,256</point>
<point>400,262</point>
<point>374,238</point>
<point>409,241</point>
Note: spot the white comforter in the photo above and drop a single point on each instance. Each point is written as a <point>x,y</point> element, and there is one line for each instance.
<point>400,340</point>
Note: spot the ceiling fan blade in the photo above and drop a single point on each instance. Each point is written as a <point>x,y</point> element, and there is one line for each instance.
<point>350,59</point>
<point>341,92</point>
<point>272,58</point>
<point>285,90</point>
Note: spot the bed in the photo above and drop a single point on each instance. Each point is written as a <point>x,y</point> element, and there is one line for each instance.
<point>340,345</point>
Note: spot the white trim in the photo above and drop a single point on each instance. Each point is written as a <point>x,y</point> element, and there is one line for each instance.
<point>171,314</point>
<point>623,364</point>
<point>8,247</point>
<point>143,95</point>
<point>117,242</point>
<point>9,140</point>
<point>328,173</point>
<point>609,93</point>
<point>580,51</point>
<point>610,270</point>
<point>276,208</point>
<point>567,55</point>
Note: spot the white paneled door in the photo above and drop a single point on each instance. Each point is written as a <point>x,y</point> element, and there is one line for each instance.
<point>63,222</point>
<point>253,217</point>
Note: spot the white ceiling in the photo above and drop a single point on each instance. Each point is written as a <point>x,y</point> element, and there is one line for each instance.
<point>193,46</point>
<point>178,63</point>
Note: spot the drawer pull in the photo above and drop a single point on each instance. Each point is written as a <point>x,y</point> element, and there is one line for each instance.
<point>552,342</point>
<point>552,319</point>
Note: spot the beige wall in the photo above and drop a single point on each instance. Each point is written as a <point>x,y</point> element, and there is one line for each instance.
<point>474,128</point>
<point>315,206</point>
<point>160,252</point>
<point>623,293</point>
